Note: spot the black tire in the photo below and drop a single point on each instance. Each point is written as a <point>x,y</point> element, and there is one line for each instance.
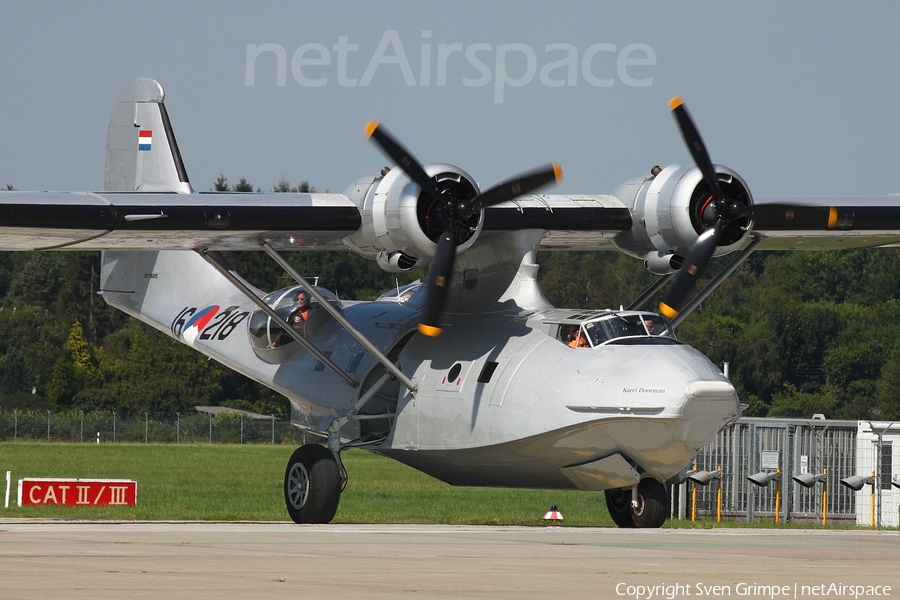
<point>653,504</point>
<point>618,503</point>
<point>312,485</point>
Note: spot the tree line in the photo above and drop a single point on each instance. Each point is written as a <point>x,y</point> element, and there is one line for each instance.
<point>803,332</point>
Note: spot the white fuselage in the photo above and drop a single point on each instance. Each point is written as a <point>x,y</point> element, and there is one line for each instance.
<point>498,401</point>
<point>550,415</point>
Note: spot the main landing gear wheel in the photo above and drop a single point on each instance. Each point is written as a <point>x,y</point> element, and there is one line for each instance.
<point>312,485</point>
<point>652,509</point>
<point>653,504</point>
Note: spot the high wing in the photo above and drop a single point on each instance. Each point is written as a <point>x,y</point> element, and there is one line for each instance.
<point>237,221</point>
<point>824,223</point>
<point>570,222</point>
<point>394,217</point>
<point>170,221</point>
<point>150,204</point>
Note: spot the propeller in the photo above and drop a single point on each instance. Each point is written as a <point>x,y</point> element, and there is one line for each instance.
<point>457,211</point>
<point>717,215</point>
<point>724,220</point>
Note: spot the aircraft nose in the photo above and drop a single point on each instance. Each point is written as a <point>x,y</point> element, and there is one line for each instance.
<point>676,380</point>
<point>708,406</point>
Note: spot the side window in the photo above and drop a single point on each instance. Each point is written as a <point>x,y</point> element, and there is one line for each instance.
<point>656,325</point>
<point>559,332</point>
<point>487,371</point>
<point>578,337</point>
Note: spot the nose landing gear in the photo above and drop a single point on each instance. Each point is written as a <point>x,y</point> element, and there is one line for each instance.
<point>645,506</point>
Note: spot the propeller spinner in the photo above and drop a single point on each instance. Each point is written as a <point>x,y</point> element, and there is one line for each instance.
<point>456,211</point>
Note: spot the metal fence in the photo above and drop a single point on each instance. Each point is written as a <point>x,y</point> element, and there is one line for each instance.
<point>184,428</point>
<point>778,450</point>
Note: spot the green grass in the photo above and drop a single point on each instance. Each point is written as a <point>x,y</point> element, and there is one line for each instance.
<point>174,481</point>
<point>244,483</point>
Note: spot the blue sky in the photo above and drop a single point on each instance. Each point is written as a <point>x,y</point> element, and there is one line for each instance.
<point>800,98</point>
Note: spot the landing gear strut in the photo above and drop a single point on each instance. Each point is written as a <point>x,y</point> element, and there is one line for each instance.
<point>650,507</point>
<point>315,476</point>
<point>312,485</point>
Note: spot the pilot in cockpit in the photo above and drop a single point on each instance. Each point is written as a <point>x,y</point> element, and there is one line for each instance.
<point>651,328</point>
<point>300,315</point>
<point>577,338</point>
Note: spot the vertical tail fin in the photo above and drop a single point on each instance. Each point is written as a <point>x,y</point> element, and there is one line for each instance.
<point>141,152</point>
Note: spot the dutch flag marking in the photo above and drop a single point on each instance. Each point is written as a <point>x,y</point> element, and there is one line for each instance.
<point>145,138</point>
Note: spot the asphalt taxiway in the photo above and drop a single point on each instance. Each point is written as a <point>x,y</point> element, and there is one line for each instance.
<point>66,559</point>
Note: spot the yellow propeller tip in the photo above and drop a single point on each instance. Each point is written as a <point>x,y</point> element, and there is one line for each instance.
<point>667,311</point>
<point>557,172</point>
<point>429,330</point>
<point>832,217</point>
<point>371,126</point>
<point>675,103</point>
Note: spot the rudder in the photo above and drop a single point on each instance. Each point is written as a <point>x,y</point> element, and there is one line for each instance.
<point>141,152</point>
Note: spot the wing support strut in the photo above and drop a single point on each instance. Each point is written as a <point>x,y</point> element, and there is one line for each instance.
<point>716,282</point>
<point>651,289</point>
<point>381,358</point>
<point>217,261</point>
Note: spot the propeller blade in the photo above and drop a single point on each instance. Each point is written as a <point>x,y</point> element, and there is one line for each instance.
<point>696,146</point>
<point>519,186</point>
<point>404,159</point>
<point>438,285</point>
<point>693,268</point>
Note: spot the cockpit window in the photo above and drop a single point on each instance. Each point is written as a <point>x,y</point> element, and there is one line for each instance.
<point>286,299</point>
<point>577,337</point>
<point>657,325</point>
<point>594,330</point>
<point>296,309</point>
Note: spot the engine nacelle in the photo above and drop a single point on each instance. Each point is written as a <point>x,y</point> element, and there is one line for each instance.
<point>401,225</point>
<point>396,262</point>
<point>663,264</point>
<point>671,210</point>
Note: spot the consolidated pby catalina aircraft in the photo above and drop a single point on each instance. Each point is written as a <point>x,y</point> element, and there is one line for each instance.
<point>472,377</point>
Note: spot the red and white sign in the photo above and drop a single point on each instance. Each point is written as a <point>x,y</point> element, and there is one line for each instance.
<point>77,492</point>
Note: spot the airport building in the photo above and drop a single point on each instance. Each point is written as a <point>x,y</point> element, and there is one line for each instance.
<point>797,470</point>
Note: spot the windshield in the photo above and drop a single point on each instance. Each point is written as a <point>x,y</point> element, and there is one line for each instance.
<point>297,310</point>
<point>612,326</point>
